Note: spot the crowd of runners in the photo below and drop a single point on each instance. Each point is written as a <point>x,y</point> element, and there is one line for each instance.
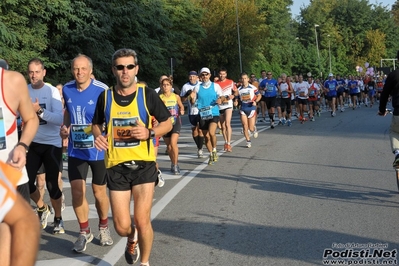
<point>74,117</point>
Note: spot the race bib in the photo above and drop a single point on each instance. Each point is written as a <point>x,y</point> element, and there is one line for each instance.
<point>206,113</point>
<point>331,87</point>
<point>82,137</point>
<point>284,94</point>
<point>302,94</point>
<point>245,97</point>
<point>270,88</point>
<point>3,144</point>
<point>121,132</point>
<point>173,113</point>
<point>312,93</point>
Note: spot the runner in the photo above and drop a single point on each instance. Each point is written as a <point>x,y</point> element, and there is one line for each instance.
<point>127,110</point>
<point>249,96</point>
<point>340,92</point>
<point>193,115</point>
<point>208,97</point>
<point>313,100</point>
<point>331,86</point>
<point>81,96</point>
<point>226,108</point>
<point>353,90</point>
<point>46,147</point>
<point>175,106</point>
<point>269,89</point>
<point>301,89</point>
<point>285,90</point>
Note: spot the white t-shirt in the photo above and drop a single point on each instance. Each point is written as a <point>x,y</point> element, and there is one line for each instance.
<point>193,109</point>
<point>301,90</point>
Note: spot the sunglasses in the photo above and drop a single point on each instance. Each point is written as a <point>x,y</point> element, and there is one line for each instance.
<point>122,67</point>
<point>204,74</point>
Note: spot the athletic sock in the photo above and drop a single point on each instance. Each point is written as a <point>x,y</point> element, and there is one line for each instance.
<point>200,142</point>
<point>84,227</point>
<point>103,223</point>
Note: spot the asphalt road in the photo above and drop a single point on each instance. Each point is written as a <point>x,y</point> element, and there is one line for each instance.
<point>299,193</point>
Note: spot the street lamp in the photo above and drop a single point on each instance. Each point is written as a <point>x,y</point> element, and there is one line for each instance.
<point>329,50</point>
<point>317,47</point>
<point>238,37</point>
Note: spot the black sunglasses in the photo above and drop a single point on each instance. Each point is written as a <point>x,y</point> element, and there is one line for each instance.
<point>122,67</point>
<point>204,74</point>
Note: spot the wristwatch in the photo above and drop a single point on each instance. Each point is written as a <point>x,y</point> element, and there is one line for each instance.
<point>40,111</point>
<point>151,134</point>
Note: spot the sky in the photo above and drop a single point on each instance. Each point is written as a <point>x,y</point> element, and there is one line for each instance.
<point>295,8</point>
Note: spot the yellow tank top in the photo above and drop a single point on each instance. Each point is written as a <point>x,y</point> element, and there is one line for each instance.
<point>171,103</point>
<point>119,121</point>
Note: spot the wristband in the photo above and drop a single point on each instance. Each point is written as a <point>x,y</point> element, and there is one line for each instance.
<point>23,145</point>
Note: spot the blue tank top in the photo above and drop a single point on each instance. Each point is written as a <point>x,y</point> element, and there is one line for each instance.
<point>207,98</point>
<point>81,107</point>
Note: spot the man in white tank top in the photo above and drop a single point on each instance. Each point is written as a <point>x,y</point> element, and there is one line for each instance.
<point>14,100</point>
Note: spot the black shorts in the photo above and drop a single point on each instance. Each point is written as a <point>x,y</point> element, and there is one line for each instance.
<point>224,110</point>
<point>313,103</point>
<point>175,129</point>
<point>24,191</point>
<point>122,178</point>
<point>194,119</point>
<point>270,101</point>
<point>302,101</point>
<point>78,169</point>
<point>204,124</point>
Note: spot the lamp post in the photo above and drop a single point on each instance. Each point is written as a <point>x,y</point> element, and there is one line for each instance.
<point>317,47</point>
<point>329,50</point>
<point>238,37</point>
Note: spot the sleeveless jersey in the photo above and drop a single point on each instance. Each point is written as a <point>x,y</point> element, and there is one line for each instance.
<point>206,98</point>
<point>9,177</point>
<point>119,120</point>
<point>8,130</point>
<point>81,107</point>
<point>171,103</point>
<point>313,88</point>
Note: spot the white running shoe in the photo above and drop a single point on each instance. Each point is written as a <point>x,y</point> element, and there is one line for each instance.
<point>249,144</point>
<point>161,181</point>
<point>200,153</point>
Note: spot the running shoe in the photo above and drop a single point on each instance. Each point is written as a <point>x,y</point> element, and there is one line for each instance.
<point>215,156</point>
<point>62,202</point>
<point>395,163</point>
<point>249,144</point>
<point>132,252</point>
<point>272,125</point>
<point>211,161</point>
<point>161,181</point>
<point>256,132</point>
<point>229,148</point>
<point>43,215</point>
<point>225,146</point>
<point>312,119</point>
<point>284,121</point>
<point>58,226</point>
<point>172,168</point>
<point>81,242</point>
<point>105,237</point>
<point>280,122</point>
<point>289,123</point>
<point>333,114</point>
<point>176,170</point>
<point>200,153</point>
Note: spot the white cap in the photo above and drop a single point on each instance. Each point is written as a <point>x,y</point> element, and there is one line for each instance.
<point>3,64</point>
<point>309,74</point>
<point>206,70</point>
<point>331,75</point>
